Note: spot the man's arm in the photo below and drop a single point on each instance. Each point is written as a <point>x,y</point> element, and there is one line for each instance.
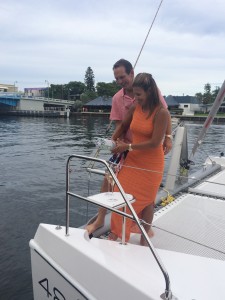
<point>123,126</point>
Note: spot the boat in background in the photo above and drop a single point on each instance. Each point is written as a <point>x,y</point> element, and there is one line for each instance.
<point>175,121</point>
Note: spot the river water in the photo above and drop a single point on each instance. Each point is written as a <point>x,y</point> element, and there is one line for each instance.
<point>33,155</point>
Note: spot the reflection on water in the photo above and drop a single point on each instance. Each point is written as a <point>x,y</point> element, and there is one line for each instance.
<point>33,155</point>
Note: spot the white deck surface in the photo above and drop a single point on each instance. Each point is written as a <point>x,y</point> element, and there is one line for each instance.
<point>111,200</point>
<point>106,269</point>
<point>216,185</point>
<point>128,272</point>
<point>193,225</point>
<point>189,238</point>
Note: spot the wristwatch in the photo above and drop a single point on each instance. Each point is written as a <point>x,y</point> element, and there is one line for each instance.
<point>169,136</point>
<point>130,147</point>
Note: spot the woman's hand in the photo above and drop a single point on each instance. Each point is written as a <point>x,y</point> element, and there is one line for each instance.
<point>167,145</point>
<point>120,146</point>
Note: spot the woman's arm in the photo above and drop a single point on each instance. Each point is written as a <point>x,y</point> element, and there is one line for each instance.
<point>167,143</point>
<point>159,130</point>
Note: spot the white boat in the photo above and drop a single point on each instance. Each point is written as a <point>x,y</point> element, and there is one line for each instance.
<point>185,259</point>
<point>175,121</point>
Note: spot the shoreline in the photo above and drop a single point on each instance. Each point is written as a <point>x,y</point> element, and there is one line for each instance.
<point>59,114</point>
<point>217,119</point>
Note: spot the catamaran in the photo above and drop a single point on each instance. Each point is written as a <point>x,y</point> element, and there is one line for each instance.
<point>185,259</point>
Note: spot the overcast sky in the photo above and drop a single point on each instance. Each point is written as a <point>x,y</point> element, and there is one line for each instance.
<point>56,40</point>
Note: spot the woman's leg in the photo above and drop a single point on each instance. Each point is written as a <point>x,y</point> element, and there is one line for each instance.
<point>147,216</point>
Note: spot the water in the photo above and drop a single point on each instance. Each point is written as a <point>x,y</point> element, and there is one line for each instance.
<point>33,154</point>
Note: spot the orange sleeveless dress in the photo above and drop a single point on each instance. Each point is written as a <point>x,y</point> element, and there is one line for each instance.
<point>142,171</point>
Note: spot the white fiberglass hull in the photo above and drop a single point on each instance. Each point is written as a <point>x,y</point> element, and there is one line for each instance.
<point>189,239</point>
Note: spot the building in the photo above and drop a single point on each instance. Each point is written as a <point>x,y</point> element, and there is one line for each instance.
<point>8,88</point>
<point>183,105</point>
<point>187,104</point>
<point>222,108</point>
<point>35,92</point>
<point>100,104</point>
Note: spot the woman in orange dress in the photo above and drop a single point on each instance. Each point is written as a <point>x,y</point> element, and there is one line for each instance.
<point>142,171</point>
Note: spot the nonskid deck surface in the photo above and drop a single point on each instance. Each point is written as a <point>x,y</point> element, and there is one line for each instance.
<point>214,185</point>
<point>192,224</point>
<point>189,236</point>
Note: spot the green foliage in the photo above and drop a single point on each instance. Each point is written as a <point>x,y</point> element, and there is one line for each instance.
<point>75,89</point>
<point>199,96</point>
<point>207,96</point>
<point>70,91</point>
<point>107,89</point>
<point>56,91</point>
<point>77,105</point>
<point>215,92</point>
<point>88,96</point>
<point>207,88</point>
<point>89,80</point>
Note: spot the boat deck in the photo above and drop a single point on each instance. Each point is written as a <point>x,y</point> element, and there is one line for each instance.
<point>214,186</point>
<point>189,237</point>
<point>192,224</point>
<point>195,222</point>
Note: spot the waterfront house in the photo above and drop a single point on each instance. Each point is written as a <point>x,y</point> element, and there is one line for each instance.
<point>100,104</point>
<point>187,104</point>
<point>183,105</point>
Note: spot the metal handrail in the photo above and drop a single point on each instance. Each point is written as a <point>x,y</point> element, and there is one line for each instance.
<point>168,293</point>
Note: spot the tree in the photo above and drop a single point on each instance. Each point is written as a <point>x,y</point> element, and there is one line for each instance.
<point>207,96</point>
<point>89,80</point>
<point>74,89</point>
<point>77,105</point>
<point>56,91</point>
<point>199,96</point>
<point>107,89</point>
<point>88,96</point>
<point>215,92</point>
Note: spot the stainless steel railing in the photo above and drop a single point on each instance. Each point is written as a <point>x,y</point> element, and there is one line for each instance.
<point>133,216</point>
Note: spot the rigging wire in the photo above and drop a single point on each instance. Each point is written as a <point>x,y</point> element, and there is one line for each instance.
<point>142,47</point>
<point>153,21</point>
